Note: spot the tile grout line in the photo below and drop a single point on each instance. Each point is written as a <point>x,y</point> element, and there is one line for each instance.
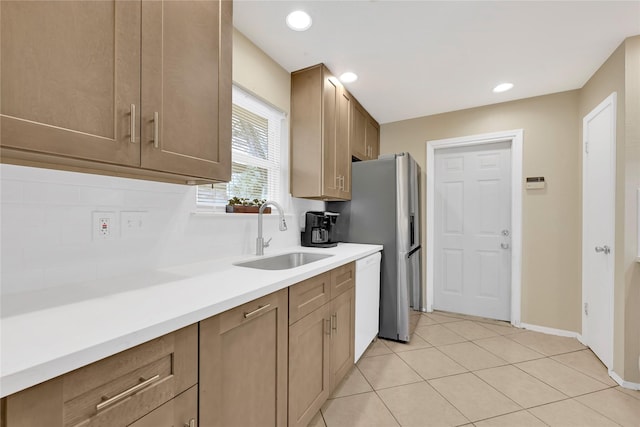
<point>555,388</point>
<point>514,412</point>
<point>507,363</point>
<point>422,379</point>
<point>544,356</point>
<point>578,370</point>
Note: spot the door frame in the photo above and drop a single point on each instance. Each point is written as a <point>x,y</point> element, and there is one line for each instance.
<point>515,137</point>
<point>609,101</point>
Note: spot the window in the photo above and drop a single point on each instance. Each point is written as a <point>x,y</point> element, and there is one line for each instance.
<point>256,135</point>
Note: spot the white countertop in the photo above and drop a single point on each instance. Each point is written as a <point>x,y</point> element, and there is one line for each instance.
<point>49,333</point>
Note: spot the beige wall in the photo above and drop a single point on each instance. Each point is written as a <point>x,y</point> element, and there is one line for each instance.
<point>551,289</point>
<point>551,270</point>
<point>255,71</point>
<point>621,74</point>
<point>631,268</point>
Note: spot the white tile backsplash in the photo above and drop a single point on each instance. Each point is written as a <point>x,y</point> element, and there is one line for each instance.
<point>46,228</point>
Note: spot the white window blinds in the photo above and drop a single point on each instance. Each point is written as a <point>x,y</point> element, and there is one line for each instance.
<point>256,133</point>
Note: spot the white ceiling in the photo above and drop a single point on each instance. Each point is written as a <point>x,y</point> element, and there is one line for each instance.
<point>417,58</point>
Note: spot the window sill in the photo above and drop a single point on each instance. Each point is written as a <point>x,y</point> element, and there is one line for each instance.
<point>221,214</point>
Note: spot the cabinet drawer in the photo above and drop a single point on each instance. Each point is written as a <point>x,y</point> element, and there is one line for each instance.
<point>343,279</point>
<point>306,296</point>
<point>245,313</point>
<point>114,391</point>
<point>179,411</point>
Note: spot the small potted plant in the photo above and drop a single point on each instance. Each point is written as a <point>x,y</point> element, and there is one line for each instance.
<point>245,205</point>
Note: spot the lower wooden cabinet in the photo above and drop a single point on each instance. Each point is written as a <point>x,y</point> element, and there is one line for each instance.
<point>243,365</point>
<point>115,391</point>
<point>309,356</point>
<point>321,344</point>
<point>270,362</point>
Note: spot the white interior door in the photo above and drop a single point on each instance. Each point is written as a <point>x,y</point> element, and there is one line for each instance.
<point>598,210</point>
<point>472,256</point>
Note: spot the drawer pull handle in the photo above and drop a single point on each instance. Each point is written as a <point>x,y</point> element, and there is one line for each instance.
<point>260,309</point>
<point>107,401</point>
<point>334,322</point>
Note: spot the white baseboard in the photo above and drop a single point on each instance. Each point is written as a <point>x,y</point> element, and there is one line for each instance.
<point>552,331</point>
<point>623,383</point>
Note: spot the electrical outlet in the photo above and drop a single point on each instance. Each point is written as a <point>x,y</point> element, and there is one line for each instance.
<point>104,225</point>
<point>132,223</point>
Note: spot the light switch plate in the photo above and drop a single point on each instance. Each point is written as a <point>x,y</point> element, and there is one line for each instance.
<point>133,223</point>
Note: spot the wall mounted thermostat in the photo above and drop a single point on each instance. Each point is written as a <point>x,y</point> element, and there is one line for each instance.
<point>535,182</point>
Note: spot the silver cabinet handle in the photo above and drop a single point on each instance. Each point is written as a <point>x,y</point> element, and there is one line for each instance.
<point>260,309</point>
<point>132,124</point>
<point>156,130</point>
<point>108,401</point>
<point>334,322</point>
<point>192,423</point>
<point>606,249</point>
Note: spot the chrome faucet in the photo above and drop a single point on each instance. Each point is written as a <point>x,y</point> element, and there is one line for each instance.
<point>260,243</point>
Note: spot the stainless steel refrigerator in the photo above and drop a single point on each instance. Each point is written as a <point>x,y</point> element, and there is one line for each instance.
<point>385,209</point>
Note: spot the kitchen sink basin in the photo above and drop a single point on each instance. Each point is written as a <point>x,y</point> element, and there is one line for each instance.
<point>284,261</point>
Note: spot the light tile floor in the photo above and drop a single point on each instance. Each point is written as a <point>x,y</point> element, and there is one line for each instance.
<point>461,370</point>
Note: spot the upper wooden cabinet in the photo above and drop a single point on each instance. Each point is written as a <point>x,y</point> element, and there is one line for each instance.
<point>119,87</point>
<point>320,132</point>
<point>373,138</point>
<point>365,134</point>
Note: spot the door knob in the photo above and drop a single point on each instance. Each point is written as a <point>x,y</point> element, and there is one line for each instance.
<point>504,245</point>
<point>606,249</point>
<point>505,233</point>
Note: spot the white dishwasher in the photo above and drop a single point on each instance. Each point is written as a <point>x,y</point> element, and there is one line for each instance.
<point>367,301</point>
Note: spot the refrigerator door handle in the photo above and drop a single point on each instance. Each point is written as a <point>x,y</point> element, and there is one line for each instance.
<point>412,230</point>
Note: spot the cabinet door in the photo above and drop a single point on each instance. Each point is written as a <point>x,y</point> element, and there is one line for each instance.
<point>373,139</point>
<point>342,336</point>
<point>70,76</point>
<point>358,129</point>
<point>309,358</point>
<point>330,100</point>
<point>178,412</point>
<point>186,87</point>
<point>343,149</point>
<point>243,365</point>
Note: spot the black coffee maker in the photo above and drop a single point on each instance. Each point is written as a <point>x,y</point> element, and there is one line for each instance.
<point>319,229</point>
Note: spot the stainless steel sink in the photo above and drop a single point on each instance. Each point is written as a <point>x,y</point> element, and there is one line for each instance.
<point>284,261</point>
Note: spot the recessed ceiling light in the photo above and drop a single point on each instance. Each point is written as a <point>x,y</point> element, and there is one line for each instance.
<point>502,87</point>
<point>299,20</point>
<point>348,77</point>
